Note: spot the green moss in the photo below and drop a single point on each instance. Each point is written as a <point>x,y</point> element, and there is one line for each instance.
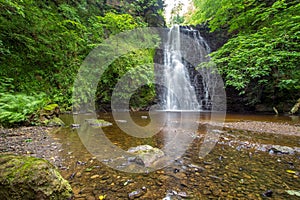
<point>31,178</point>
<point>50,107</point>
<point>54,122</point>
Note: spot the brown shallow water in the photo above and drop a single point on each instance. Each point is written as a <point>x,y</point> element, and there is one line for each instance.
<point>240,166</point>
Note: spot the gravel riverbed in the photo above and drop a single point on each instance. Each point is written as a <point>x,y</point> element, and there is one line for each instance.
<point>37,140</point>
<point>241,166</point>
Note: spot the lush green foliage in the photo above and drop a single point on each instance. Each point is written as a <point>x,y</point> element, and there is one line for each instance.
<point>42,47</point>
<point>43,44</point>
<point>139,61</point>
<point>262,58</point>
<point>18,108</point>
<point>138,7</point>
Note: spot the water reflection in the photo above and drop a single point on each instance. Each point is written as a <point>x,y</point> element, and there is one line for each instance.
<point>172,132</point>
<point>232,170</point>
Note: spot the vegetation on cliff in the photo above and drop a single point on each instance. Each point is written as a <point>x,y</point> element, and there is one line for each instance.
<point>261,60</point>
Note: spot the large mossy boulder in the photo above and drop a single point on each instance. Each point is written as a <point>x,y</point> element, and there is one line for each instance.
<point>23,177</point>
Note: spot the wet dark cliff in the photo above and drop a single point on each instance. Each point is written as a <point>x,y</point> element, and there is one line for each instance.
<point>215,39</point>
<point>235,101</point>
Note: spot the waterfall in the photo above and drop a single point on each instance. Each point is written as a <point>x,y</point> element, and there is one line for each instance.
<point>186,91</point>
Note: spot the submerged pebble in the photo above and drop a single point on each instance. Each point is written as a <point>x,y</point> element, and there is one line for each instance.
<point>268,193</point>
<point>136,194</point>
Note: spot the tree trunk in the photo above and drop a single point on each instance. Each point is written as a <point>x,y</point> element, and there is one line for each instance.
<point>296,107</point>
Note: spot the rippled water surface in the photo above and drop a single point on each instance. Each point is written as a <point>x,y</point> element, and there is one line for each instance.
<point>242,165</point>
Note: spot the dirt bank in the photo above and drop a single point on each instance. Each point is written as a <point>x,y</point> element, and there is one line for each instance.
<point>32,141</point>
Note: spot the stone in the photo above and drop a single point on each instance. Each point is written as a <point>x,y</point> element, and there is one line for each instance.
<point>95,176</point>
<point>136,160</point>
<point>55,121</point>
<point>79,174</point>
<point>50,111</point>
<point>98,122</point>
<point>147,154</point>
<point>136,194</point>
<point>182,194</point>
<point>49,115</point>
<point>75,125</point>
<point>121,120</point>
<point>196,168</point>
<point>281,149</point>
<point>23,177</point>
<point>268,193</point>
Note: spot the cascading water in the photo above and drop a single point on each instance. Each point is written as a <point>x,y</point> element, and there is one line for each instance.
<point>181,94</point>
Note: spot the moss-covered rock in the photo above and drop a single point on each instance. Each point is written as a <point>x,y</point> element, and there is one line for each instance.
<point>51,107</point>
<point>54,122</point>
<point>23,177</point>
<point>50,111</point>
<point>49,115</point>
<point>98,122</point>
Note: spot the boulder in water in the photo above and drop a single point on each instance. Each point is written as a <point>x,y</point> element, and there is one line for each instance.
<point>277,149</point>
<point>98,122</point>
<point>54,122</point>
<point>147,154</point>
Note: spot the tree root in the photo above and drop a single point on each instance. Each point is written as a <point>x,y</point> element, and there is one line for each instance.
<point>295,107</point>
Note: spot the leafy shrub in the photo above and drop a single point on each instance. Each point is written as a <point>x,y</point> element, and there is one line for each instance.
<point>6,84</point>
<point>261,60</point>
<point>20,108</point>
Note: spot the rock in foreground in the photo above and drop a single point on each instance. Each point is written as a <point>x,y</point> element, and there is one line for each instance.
<point>31,178</point>
<point>146,154</point>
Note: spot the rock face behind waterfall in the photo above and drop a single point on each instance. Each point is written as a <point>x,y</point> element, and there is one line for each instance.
<point>215,39</point>
<point>195,45</point>
<point>182,50</point>
<point>31,178</point>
